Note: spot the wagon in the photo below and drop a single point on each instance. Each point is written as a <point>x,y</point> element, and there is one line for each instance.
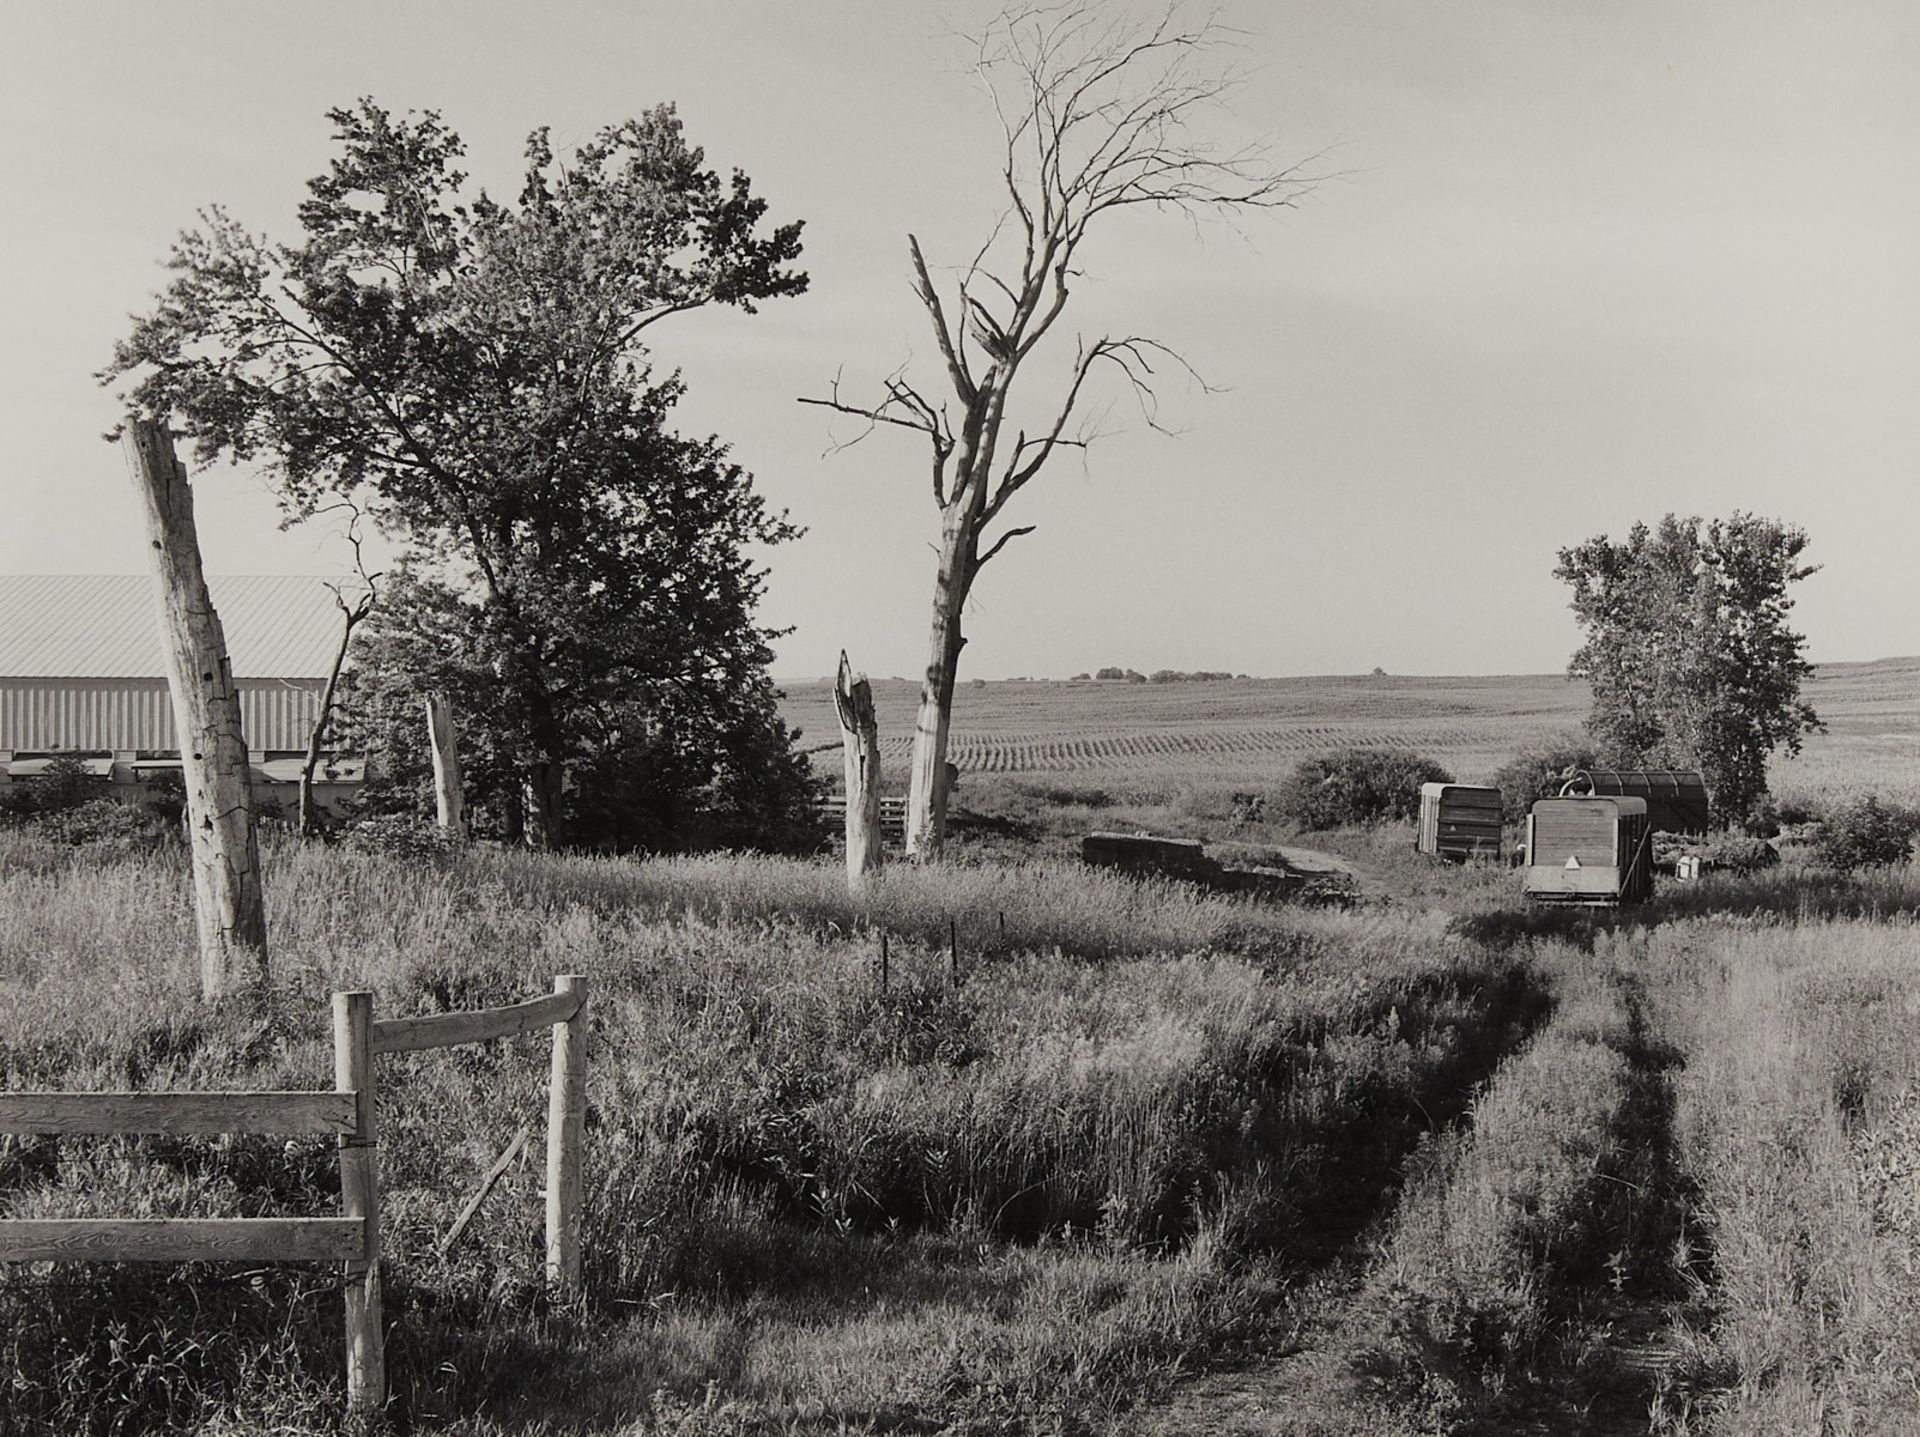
<point>1459,821</point>
<point>1590,850</point>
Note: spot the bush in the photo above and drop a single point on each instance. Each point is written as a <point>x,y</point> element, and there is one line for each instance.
<point>1357,785</point>
<point>1866,834</point>
<point>1535,773</point>
<point>1739,853</point>
<point>102,822</point>
<point>62,785</point>
<point>400,835</point>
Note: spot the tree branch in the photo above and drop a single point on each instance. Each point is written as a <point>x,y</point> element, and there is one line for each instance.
<point>1001,543</point>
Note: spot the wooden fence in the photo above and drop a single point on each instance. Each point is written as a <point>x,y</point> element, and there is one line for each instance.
<point>893,813</point>
<point>348,1113</point>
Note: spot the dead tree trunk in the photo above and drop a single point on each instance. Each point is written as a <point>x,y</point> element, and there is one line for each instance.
<point>860,744</point>
<point>228,900</point>
<point>350,617</point>
<point>927,778</point>
<point>443,738</point>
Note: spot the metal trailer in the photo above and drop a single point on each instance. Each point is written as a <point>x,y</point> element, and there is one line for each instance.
<point>1676,797</point>
<point>1590,850</point>
<point>1459,821</point>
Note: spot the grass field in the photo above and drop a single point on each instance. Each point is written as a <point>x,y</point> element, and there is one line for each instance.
<point>1153,1161</point>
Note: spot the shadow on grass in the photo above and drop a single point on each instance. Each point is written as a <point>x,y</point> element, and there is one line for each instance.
<point>661,1364</point>
<point>1797,896</point>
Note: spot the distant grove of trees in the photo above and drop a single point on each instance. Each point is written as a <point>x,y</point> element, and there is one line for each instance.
<point>1160,676</point>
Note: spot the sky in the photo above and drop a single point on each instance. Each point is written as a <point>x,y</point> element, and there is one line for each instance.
<point>1572,266</point>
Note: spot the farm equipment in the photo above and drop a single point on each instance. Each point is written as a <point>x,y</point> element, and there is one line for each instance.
<point>1588,849</point>
<point>1459,821</point>
<point>1676,798</point>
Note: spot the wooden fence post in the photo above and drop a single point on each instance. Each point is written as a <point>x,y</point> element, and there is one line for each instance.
<point>566,1121</point>
<point>360,1198</point>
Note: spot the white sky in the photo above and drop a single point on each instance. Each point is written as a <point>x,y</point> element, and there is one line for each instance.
<point>1589,264</point>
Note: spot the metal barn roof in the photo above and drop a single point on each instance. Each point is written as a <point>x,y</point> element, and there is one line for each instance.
<point>107,626</point>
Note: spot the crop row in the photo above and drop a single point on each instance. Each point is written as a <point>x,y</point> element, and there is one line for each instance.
<point>1024,753</point>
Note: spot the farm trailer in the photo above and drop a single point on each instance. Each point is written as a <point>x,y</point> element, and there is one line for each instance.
<point>1590,850</point>
<point>1459,821</point>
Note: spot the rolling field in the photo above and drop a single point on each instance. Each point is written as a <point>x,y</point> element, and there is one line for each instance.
<point>1251,732</point>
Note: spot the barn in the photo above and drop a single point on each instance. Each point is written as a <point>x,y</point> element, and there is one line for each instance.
<point>82,675</point>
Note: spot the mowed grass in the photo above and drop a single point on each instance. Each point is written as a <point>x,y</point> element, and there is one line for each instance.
<point>1149,742</point>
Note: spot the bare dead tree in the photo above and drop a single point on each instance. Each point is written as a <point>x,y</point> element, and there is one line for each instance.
<point>860,739</point>
<point>353,612</point>
<point>1100,112</point>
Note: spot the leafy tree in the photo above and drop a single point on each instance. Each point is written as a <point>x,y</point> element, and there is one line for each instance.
<point>1688,650</point>
<point>1101,113</point>
<point>470,373</point>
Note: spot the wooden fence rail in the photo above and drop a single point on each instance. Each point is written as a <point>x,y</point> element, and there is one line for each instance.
<point>183,1239</point>
<point>180,1114</point>
<point>448,1030</point>
<point>347,1113</point>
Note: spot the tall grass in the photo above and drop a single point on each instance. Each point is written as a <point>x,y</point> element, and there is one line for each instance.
<point>1083,1161</point>
<point>1797,1117</point>
<point>1509,1228</point>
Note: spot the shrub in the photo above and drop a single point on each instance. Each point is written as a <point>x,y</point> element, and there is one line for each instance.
<point>104,823</point>
<point>1357,785</point>
<point>63,784</point>
<point>1866,834</point>
<point>1739,853</point>
<point>399,835</point>
<point>1535,773</point>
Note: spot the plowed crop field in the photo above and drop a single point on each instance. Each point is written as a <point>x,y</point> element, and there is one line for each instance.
<point>1253,731</point>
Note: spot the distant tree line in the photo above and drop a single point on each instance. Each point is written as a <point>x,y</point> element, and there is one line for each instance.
<point>1160,676</point>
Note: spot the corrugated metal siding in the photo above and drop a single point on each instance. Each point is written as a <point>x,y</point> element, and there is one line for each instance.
<point>93,626</point>
<point>117,714</point>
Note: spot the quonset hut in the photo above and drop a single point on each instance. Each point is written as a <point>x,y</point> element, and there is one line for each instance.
<point>83,676</point>
<point>1676,798</point>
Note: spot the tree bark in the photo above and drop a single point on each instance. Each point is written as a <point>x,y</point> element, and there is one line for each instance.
<point>443,738</point>
<point>927,778</point>
<point>228,899</point>
<point>860,745</point>
<point>542,789</point>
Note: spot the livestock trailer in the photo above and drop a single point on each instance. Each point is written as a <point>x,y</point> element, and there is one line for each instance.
<point>1590,849</point>
<point>1676,798</point>
<point>1459,821</point>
